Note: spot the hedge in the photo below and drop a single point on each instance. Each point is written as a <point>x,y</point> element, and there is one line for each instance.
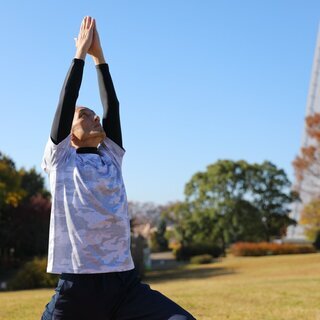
<point>201,259</point>
<point>33,275</point>
<point>266,248</point>
<point>186,252</point>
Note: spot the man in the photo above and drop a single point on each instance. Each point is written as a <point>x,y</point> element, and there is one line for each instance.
<point>89,240</point>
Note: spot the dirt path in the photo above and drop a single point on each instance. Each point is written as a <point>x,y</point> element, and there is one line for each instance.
<point>164,260</point>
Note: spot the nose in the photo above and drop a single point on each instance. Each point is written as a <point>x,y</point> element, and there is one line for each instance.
<point>96,118</point>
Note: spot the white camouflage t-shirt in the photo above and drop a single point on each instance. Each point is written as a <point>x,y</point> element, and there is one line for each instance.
<point>89,224</point>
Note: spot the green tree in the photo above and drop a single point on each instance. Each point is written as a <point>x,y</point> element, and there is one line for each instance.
<point>158,239</point>
<point>11,192</point>
<point>233,201</point>
<point>179,214</point>
<point>33,183</point>
<point>271,194</point>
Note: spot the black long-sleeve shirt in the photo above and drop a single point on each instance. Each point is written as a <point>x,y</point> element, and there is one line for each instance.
<point>63,118</point>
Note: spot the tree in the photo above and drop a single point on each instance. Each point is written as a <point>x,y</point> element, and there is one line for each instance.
<point>271,194</point>
<point>11,192</point>
<point>307,171</point>
<point>307,164</point>
<point>310,217</point>
<point>194,233</point>
<point>29,227</point>
<point>233,201</point>
<point>33,183</point>
<point>234,187</point>
<point>179,214</point>
<point>159,242</point>
<point>24,212</point>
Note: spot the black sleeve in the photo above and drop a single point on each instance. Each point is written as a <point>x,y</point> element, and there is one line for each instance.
<point>111,117</point>
<point>63,118</point>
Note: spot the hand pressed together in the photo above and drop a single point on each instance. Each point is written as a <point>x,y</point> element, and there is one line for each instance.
<point>88,41</point>
<point>96,50</point>
<point>85,36</point>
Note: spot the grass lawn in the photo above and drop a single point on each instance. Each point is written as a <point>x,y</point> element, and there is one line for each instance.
<point>266,288</point>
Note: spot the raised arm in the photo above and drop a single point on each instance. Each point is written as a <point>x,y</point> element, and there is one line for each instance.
<point>62,122</point>
<point>111,115</point>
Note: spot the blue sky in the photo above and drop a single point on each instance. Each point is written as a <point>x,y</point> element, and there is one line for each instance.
<point>197,81</point>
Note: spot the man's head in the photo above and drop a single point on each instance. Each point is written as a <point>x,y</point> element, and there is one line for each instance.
<point>86,130</point>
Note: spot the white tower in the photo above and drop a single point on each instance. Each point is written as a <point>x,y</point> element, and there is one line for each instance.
<point>313,106</point>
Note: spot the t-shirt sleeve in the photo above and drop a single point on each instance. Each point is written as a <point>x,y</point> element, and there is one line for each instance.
<point>56,154</point>
<point>110,146</point>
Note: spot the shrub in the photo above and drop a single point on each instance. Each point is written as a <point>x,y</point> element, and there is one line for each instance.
<point>186,252</point>
<point>158,240</point>
<point>201,259</point>
<point>266,248</point>
<point>33,275</point>
<point>316,242</point>
<point>138,246</point>
<point>158,243</point>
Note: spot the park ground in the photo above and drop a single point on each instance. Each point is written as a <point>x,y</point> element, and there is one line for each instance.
<point>234,288</point>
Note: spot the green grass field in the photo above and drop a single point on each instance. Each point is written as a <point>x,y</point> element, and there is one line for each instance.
<point>268,288</point>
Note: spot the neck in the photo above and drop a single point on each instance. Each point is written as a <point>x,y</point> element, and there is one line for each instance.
<point>91,141</point>
<point>86,143</point>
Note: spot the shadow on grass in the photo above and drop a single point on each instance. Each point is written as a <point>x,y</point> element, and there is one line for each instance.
<point>186,272</point>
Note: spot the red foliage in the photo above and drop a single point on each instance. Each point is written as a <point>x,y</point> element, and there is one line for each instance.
<point>313,126</point>
<point>266,248</point>
<point>308,155</point>
<point>29,227</point>
<point>299,165</point>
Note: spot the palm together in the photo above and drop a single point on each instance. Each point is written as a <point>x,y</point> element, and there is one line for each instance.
<point>88,39</point>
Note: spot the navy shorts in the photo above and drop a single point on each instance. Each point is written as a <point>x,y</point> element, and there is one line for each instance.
<point>110,296</point>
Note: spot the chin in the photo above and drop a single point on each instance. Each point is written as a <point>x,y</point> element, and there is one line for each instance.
<point>97,133</point>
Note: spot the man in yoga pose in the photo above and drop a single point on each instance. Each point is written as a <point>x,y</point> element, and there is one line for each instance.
<point>89,239</point>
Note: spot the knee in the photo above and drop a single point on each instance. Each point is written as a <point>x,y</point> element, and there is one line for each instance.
<point>178,317</point>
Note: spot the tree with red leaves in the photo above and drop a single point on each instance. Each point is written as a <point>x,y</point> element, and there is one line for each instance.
<point>307,171</point>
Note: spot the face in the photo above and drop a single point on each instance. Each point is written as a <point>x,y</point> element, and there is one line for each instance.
<point>86,128</point>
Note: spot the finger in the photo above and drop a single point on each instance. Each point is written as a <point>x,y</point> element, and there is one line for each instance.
<point>83,24</point>
<point>88,22</point>
<point>92,24</point>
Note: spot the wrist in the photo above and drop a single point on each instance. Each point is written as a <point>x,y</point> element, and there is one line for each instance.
<point>80,54</point>
<point>98,59</point>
